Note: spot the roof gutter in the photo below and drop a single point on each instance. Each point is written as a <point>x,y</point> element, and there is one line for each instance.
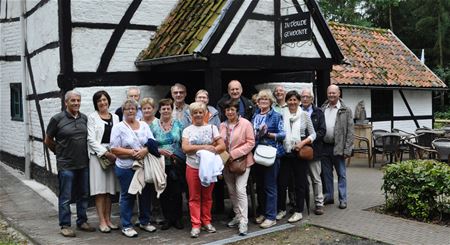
<point>392,87</point>
<point>169,60</point>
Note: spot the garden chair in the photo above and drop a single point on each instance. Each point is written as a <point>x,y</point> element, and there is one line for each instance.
<point>391,146</point>
<point>442,146</point>
<point>362,146</point>
<point>377,144</point>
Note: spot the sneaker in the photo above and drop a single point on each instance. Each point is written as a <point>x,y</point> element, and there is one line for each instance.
<point>268,223</point>
<point>295,217</point>
<point>148,227</point>
<point>342,205</point>
<point>195,232</point>
<point>209,228</point>
<point>86,227</point>
<point>260,219</point>
<point>243,229</point>
<point>281,215</point>
<point>129,232</point>
<point>318,210</point>
<point>66,231</point>
<point>234,222</point>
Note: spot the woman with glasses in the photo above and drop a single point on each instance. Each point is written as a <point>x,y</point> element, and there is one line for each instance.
<point>128,139</point>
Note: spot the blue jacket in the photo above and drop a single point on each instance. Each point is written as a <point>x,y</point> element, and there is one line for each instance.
<point>274,122</point>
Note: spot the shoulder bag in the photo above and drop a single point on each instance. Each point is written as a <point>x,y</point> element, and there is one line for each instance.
<point>265,155</point>
<point>236,166</point>
<point>306,153</point>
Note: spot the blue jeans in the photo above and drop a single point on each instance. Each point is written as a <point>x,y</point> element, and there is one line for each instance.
<point>126,202</point>
<point>266,182</point>
<point>329,160</point>
<point>73,183</point>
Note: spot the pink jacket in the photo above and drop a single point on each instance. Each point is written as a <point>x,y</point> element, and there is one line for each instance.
<point>242,140</point>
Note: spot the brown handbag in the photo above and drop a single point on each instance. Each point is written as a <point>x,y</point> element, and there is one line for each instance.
<point>237,166</point>
<point>306,153</point>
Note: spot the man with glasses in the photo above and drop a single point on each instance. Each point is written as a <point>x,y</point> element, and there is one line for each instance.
<point>315,168</point>
<point>178,92</point>
<point>133,93</point>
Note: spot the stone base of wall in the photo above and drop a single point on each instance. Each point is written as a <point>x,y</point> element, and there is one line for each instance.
<point>38,173</point>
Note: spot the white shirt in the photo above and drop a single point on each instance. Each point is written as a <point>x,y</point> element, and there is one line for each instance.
<point>330,121</point>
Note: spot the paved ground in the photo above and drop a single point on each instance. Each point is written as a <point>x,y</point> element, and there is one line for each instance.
<point>36,216</point>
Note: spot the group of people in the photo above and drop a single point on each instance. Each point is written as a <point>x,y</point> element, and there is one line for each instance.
<point>189,141</point>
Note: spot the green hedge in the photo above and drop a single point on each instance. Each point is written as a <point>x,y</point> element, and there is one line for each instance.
<point>418,188</point>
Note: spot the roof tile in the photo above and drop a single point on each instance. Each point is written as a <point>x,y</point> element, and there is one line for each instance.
<point>376,57</point>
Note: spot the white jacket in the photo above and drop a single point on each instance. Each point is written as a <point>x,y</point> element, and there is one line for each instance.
<point>211,166</point>
<point>96,128</point>
<point>149,170</point>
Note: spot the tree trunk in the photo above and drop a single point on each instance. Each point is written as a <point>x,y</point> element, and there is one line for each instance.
<point>390,18</point>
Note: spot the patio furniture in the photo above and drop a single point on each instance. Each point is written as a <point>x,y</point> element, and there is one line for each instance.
<point>377,144</point>
<point>442,146</point>
<point>391,146</point>
<point>361,145</point>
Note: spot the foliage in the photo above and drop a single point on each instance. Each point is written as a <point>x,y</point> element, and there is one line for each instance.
<point>420,24</point>
<point>418,188</point>
<point>443,114</point>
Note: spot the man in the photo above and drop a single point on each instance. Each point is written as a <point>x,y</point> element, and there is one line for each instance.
<point>315,168</point>
<point>178,92</point>
<point>211,115</point>
<point>67,138</point>
<point>133,93</point>
<point>279,93</point>
<point>246,107</point>
<point>338,144</point>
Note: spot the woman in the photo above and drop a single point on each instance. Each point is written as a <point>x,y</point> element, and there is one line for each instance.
<point>128,139</point>
<point>237,133</point>
<point>167,132</point>
<point>102,181</point>
<point>211,116</point>
<point>196,137</point>
<point>299,132</point>
<point>148,111</point>
<point>268,127</point>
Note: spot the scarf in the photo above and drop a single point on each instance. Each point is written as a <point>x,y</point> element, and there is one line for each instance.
<point>292,128</point>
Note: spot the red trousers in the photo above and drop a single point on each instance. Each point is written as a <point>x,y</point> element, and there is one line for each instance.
<point>200,199</point>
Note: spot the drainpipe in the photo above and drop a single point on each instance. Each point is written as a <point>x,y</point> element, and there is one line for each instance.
<point>26,118</point>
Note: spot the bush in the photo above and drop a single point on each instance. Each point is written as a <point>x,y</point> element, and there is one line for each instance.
<point>418,188</point>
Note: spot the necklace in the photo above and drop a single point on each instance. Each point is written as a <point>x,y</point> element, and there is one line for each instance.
<point>166,126</point>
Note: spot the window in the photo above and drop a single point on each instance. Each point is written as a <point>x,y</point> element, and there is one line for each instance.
<point>382,105</point>
<point>16,102</point>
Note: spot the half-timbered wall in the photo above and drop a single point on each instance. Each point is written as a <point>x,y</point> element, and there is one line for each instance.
<point>418,100</point>
<point>100,39</point>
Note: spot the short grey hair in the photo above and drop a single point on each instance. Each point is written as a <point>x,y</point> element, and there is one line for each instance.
<point>71,93</point>
<point>307,90</point>
<point>196,106</point>
<point>133,88</point>
<point>130,102</point>
<point>178,85</point>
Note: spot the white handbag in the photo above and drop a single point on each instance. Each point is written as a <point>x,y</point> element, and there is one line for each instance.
<point>265,155</point>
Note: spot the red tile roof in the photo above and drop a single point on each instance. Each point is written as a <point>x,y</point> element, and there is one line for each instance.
<point>377,57</point>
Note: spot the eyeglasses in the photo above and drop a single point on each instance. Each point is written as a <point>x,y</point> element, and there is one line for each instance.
<point>130,109</point>
<point>305,97</point>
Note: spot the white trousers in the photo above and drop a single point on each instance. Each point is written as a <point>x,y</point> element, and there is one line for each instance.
<point>314,173</point>
<point>237,189</point>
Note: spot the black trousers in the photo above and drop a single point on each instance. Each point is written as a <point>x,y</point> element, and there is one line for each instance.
<point>171,199</point>
<point>292,166</point>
